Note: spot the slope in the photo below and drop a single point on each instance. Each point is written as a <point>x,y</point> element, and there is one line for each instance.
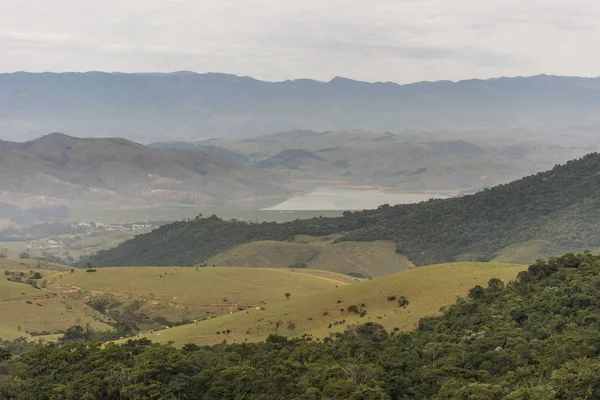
<point>367,259</point>
<point>70,169</point>
<point>427,289</point>
<point>560,206</point>
<point>29,312</point>
<point>425,161</point>
<point>148,298</point>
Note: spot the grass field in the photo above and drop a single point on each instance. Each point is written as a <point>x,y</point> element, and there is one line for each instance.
<point>16,264</point>
<point>373,259</point>
<point>26,310</point>
<point>208,285</point>
<point>183,293</point>
<point>173,293</point>
<point>427,289</point>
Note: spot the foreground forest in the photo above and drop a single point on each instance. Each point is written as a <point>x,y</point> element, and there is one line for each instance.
<point>536,338</point>
<point>560,206</point>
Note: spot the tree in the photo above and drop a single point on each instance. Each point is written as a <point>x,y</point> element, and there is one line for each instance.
<point>24,255</point>
<point>288,295</point>
<point>578,379</point>
<point>277,325</point>
<point>403,302</point>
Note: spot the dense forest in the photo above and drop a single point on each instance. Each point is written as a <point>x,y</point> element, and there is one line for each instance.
<point>561,206</point>
<point>535,338</point>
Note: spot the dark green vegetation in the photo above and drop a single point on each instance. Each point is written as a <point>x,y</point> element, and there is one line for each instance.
<point>536,338</point>
<point>560,206</point>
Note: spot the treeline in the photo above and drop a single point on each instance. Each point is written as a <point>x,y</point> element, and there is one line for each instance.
<point>536,338</point>
<point>560,206</point>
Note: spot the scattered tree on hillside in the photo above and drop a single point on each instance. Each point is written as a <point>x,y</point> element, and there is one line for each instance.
<point>403,302</point>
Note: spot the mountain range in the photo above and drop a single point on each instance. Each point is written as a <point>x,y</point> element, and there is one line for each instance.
<point>61,169</point>
<point>390,161</point>
<point>186,105</point>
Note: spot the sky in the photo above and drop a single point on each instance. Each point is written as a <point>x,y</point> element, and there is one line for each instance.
<point>372,40</point>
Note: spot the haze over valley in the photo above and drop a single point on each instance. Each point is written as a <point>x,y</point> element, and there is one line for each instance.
<point>266,200</point>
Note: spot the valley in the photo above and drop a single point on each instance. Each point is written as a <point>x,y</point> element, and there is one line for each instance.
<point>314,200</point>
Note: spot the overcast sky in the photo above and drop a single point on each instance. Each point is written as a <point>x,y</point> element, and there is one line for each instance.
<point>373,40</point>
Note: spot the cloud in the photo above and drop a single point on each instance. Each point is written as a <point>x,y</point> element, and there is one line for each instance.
<point>378,40</point>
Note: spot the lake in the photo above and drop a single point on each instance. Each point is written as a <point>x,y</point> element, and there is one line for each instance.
<point>330,198</point>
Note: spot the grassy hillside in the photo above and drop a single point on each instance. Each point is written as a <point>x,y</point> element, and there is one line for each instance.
<point>139,295</point>
<point>13,263</point>
<point>202,286</point>
<point>427,289</point>
<point>370,259</point>
<point>28,312</point>
<point>560,206</point>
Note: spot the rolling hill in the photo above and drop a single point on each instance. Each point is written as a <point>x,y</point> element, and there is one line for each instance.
<point>366,259</point>
<point>417,162</point>
<point>559,206</point>
<point>427,289</point>
<point>141,298</point>
<point>61,169</point>
<point>151,107</point>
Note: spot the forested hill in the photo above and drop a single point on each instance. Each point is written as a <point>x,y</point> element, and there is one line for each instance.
<point>536,338</point>
<point>560,206</point>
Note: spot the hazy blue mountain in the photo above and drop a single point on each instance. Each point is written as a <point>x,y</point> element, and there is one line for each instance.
<point>214,151</point>
<point>186,105</point>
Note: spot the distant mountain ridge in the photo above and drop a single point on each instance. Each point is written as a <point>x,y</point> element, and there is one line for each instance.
<point>151,107</point>
<point>116,170</point>
<point>393,161</point>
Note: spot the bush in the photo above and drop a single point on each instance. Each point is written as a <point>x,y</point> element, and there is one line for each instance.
<point>353,308</point>
<point>24,256</point>
<point>298,265</point>
<point>403,302</point>
<point>391,298</point>
<point>357,275</point>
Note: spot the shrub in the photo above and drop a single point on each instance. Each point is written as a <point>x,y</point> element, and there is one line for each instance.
<point>353,309</point>
<point>402,301</point>
<point>391,298</point>
<point>298,265</point>
<point>357,275</point>
<point>24,255</point>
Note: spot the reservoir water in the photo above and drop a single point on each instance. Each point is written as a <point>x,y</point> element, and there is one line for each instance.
<point>331,198</point>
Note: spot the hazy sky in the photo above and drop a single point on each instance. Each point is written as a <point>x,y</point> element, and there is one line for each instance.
<point>374,40</point>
